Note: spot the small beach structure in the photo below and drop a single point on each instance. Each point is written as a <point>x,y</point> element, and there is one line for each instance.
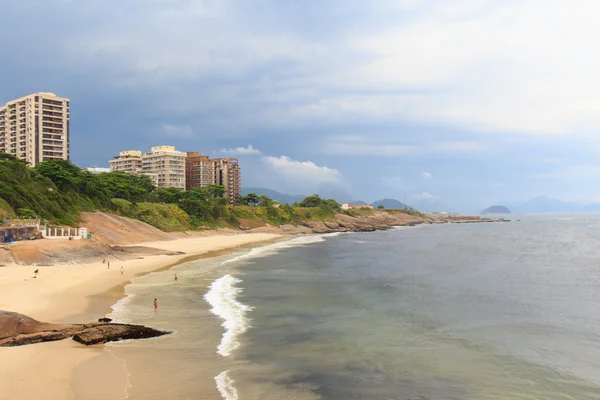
<point>14,229</point>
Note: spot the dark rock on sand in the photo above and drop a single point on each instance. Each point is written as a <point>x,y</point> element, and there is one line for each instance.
<point>18,330</point>
<point>114,333</point>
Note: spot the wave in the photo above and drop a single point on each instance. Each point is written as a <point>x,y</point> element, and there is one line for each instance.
<point>225,386</point>
<point>120,309</point>
<point>272,248</point>
<point>222,296</point>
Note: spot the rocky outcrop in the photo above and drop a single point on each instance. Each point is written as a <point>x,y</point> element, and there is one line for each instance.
<point>102,333</point>
<point>373,221</point>
<point>18,330</point>
<point>365,223</point>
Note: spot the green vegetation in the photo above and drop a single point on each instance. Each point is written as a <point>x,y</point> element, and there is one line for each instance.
<point>58,191</point>
<point>6,210</point>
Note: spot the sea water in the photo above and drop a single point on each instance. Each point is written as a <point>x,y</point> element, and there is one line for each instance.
<point>456,311</point>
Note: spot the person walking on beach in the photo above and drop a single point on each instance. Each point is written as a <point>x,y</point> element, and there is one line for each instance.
<point>122,270</point>
<point>35,273</point>
<point>175,279</point>
<point>155,305</point>
<point>108,264</point>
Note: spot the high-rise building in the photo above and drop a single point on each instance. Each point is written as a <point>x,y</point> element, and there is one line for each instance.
<point>168,164</point>
<point>35,128</point>
<point>129,161</point>
<point>228,174</point>
<point>199,170</point>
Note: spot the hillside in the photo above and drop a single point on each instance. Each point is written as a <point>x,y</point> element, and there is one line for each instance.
<point>496,210</point>
<point>124,209</point>
<point>389,204</point>
<point>59,192</point>
<point>273,194</point>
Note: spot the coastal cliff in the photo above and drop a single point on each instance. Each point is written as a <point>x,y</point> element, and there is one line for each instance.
<point>114,236</point>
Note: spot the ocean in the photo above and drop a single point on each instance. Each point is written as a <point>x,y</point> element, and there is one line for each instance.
<point>455,311</point>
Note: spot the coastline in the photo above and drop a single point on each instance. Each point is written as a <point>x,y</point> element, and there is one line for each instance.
<point>82,293</point>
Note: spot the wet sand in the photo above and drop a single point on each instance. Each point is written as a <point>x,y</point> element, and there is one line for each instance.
<point>80,293</point>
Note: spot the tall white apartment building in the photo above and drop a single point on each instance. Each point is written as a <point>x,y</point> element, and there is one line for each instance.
<point>35,128</point>
<point>167,164</point>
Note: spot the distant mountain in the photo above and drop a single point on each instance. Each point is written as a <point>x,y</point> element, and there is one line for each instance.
<point>496,210</point>
<point>545,204</point>
<point>388,203</point>
<point>335,192</point>
<point>551,205</point>
<point>275,195</point>
<point>358,202</point>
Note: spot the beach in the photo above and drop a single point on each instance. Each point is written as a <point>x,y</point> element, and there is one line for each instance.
<point>78,293</point>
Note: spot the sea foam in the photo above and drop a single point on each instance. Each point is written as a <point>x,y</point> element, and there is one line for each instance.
<point>225,386</point>
<point>222,296</point>
<point>273,248</point>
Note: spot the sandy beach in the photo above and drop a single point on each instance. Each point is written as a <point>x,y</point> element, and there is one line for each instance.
<point>78,293</point>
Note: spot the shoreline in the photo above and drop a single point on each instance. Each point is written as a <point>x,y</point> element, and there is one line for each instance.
<point>100,304</point>
<point>82,294</point>
<point>78,372</point>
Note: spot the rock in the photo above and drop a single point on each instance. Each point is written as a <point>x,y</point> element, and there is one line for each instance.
<point>18,330</point>
<point>332,225</point>
<point>114,333</point>
<point>31,338</point>
<point>13,324</point>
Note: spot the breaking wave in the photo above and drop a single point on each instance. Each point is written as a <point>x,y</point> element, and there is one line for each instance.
<point>222,296</point>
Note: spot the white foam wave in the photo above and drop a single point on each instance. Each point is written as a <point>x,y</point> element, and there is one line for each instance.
<point>225,386</point>
<point>119,309</point>
<point>272,248</point>
<point>222,296</point>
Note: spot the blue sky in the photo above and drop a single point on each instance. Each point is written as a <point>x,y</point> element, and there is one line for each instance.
<point>465,102</point>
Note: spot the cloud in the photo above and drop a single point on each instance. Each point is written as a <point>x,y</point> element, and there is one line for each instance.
<point>306,171</point>
<point>427,175</point>
<point>396,182</point>
<point>243,151</point>
<point>365,146</point>
<point>178,130</point>
<point>424,196</point>
<point>572,173</point>
<point>474,64</point>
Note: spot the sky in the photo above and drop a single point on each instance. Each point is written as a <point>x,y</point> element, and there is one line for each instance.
<point>461,102</point>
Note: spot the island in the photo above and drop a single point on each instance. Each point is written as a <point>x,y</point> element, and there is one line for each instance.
<point>496,210</point>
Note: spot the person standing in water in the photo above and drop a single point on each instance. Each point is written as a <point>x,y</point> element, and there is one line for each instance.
<point>155,305</point>
<point>175,279</point>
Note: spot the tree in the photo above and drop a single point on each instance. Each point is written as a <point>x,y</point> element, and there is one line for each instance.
<point>311,201</point>
<point>333,204</point>
<point>380,207</point>
<point>251,199</point>
<point>169,195</point>
<point>215,191</point>
<point>264,201</point>
<point>316,201</point>
<point>63,173</point>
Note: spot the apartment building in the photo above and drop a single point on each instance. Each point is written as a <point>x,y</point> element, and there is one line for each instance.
<point>199,170</point>
<point>129,161</point>
<point>167,164</point>
<point>35,128</point>
<point>228,174</point>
